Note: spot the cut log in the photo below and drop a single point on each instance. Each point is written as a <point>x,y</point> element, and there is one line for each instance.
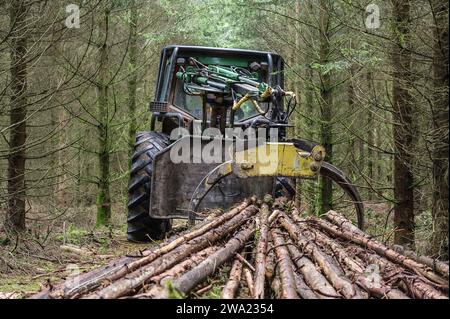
<point>303,290</point>
<point>184,266</point>
<point>339,220</point>
<point>285,266</point>
<point>273,217</point>
<point>313,278</point>
<point>334,274</point>
<point>139,277</point>
<point>249,281</point>
<point>261,251</point>
<point>380,290</point>
<point>174,272</point>
<point>270,260</point>
<point>436,265</point>
<point>128,265</point>
<point>192,278</point>
<point>320,238</point>
<point>276,286</point>
<point>413,287</point>
<point>232,285</point>
<point>380,249</point>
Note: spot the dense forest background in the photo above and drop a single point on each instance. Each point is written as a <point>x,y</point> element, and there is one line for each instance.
<point>372,77</point>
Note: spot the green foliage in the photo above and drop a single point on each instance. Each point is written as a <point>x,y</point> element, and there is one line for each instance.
<point>173,292</point>
<point>216,23</point>
<point>332,66</point>
<point>73,235</point>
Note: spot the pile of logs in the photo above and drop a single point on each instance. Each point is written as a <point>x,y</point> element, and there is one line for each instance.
<point>267,251</point>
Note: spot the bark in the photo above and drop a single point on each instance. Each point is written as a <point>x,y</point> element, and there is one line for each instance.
<point>380,249</point>
<point>302,288</point>
<point>139,277</point>
<point>439,241</point>
<point>184,266</point>
<point>421,290</point>
<point>15,217</point>
<point>351,98</point>
<point>103,127</point>
<point>273,217</point>
<point>132,80</point>
<point>380,291</point>
<point>192,278</point>
<point>402,128</point>
<point>351,262</point>
<point>412,286</point>
<point>275,285</point>
<point>313,278</point>
<point>326,97</point>
<point>339,220</point>
<point>436,265</point>
<point>174,272</point>
<point>354,265</point>
<point>285,266</point>
<point>333,273</point>
<point>261,252</point>
<point>232,285</point>
<point>370,135</point>
<point>249,281</point>
<point>270,260</point>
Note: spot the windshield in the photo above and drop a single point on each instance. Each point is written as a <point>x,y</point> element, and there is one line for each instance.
<point>185,97</point>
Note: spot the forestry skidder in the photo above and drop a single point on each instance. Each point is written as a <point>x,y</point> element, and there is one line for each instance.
<point>218,135</point>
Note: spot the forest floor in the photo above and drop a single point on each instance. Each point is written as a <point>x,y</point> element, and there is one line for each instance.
<point>26,266</point>
<point>46,255</point>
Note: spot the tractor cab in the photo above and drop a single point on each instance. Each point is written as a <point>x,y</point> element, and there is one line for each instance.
<point>219,79</point>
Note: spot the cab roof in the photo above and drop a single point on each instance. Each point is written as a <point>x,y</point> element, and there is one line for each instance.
<point>220,51</point>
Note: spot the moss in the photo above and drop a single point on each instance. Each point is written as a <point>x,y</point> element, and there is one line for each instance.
<point>173,292</point>
<point>73,235</point>
<point>18,284</point>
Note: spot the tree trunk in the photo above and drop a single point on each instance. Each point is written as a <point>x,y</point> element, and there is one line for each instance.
<point>326,191</point>
<point>103,197</point>
<point>232,285</point>
<point>132,80</point>
<point>439,242</point>
<point>61,187</point>
<point>402,103</point>
<point>15,218</point>
<point>370,134</point>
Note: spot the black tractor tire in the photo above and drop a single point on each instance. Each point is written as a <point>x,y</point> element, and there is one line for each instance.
<point>142,227</point>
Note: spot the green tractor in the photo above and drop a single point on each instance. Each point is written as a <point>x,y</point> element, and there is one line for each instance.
<point>210,99</point>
